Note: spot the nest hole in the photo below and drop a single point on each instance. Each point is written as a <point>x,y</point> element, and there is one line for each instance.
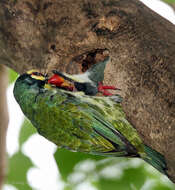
<point>90,58</point>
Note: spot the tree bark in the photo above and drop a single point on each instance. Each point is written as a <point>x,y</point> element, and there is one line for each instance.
<point>68,35</point>
<point>3,122</point>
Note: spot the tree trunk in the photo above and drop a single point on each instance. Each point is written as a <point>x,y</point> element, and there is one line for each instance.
<point>3,122</point>
<point>68,35</point>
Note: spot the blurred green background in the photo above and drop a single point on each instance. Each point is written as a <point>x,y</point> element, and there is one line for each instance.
<point>169,1</point>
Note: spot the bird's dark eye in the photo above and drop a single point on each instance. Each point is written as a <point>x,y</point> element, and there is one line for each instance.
<point>37,74</point>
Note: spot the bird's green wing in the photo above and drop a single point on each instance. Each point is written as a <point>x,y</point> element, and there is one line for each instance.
<point>103,129</point>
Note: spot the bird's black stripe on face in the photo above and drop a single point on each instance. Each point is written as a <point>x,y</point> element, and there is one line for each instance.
<point>62,75</point>
<point>23,77</point>
<point>27,77</point>
<point>41,83</point>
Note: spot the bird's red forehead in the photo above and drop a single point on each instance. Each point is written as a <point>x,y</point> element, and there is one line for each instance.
<point>60,82</point>
<point>56,80</point>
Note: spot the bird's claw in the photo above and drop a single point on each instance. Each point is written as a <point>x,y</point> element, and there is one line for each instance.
<point>104,89</point>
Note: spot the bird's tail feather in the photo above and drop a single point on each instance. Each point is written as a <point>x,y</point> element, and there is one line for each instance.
<point>155,159</point>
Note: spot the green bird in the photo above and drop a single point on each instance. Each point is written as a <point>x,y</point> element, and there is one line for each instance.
<point>78,122</point>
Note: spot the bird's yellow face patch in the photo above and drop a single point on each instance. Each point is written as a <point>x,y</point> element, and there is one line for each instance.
<point>38,77</point>
<point>32,71</point>
<point>48,86</point>
<point>36,74</point>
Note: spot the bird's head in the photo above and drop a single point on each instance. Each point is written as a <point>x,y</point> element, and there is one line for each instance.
<point>32,78</point>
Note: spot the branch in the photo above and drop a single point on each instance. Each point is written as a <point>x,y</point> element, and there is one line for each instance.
<point>63,34</point>
<point>3,122</point>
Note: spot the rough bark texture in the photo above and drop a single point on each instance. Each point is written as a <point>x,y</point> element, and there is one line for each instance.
<point>3,122</point>
<point>49,34</point>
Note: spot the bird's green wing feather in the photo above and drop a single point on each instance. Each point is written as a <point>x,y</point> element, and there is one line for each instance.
<point>104,130</point>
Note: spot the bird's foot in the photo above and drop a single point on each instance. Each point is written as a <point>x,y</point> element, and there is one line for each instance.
<point>104,89</point>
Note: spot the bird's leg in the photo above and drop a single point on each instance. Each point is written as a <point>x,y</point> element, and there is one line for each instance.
<point>106,93</point>
<point>109,88</point>
<point>103,89</point>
